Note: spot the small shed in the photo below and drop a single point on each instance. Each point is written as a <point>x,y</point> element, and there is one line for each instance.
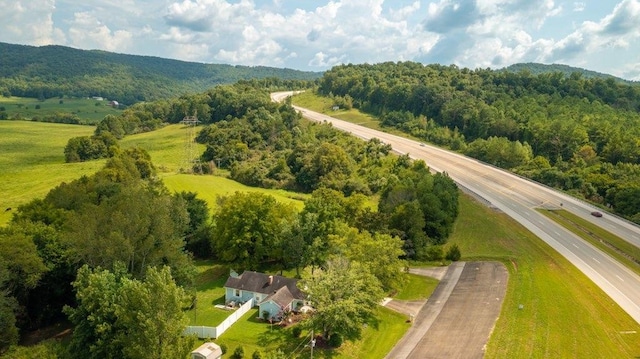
<point>207,350</point>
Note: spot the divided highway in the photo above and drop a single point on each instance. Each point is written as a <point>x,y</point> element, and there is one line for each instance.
<point>519,198</point>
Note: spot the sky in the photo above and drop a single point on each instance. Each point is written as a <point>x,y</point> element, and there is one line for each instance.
<point>313,35</point>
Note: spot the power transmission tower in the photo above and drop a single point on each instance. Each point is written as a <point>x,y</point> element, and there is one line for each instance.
<point>191,160</point>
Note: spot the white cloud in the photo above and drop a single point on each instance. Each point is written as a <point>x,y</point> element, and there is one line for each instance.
<point>29,22</point>
<point>86,31</point>
<point>317,34</point>
<point>616,30</point>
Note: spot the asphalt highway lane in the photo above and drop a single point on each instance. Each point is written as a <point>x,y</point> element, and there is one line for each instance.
<point>519,198</point>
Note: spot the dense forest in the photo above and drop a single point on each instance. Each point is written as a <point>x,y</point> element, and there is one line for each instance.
<point>576,134</point>
<point>88,253</point>
<point>566,70</point>
<point>57,71</point>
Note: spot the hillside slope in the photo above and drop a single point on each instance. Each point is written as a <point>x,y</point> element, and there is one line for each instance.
<point>52,71</point>
<point>566,70</point>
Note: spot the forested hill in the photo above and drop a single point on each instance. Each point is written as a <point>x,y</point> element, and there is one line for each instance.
<point>52,71</point>
<point>566,70</point>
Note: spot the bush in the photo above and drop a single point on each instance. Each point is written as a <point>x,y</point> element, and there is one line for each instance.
<point>223,348</point>
<point>296,331</point>
<point>37,107</point>
<point>256,355</point>
<point>434,253</point>
<point>335,341</point>
<point>453,253</point>
<point>238,353</point>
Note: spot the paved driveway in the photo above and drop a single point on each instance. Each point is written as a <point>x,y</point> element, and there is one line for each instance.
<point>458,318</point>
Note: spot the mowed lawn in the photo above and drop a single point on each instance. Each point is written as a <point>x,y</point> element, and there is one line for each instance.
<point>250,332</point>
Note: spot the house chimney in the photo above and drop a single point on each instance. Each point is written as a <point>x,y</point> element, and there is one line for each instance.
<point>270,280</point>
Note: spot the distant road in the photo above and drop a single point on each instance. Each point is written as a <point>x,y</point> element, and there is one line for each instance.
<point>519,198</point>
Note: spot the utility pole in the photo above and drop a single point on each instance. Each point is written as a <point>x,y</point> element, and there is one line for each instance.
<point>312,343</point>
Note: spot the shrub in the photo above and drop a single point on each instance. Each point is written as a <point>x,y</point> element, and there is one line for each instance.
<point>256,355</point>
<point>335,341</point>
<point>296,331</point>
<point>223,348</point>
<point>453,253</point>
<point>238,353</point>
<point>434,253</point>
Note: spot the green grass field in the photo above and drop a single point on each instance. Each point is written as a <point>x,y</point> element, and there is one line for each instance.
<point>88,110</point>
<point>32,161</point>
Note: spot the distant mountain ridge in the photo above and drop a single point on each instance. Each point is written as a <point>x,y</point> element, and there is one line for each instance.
<point>537,68</point>
<point>52,70</point>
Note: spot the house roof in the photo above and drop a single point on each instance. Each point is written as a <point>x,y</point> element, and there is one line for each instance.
<point>265,284</point>
<point>281,297</point>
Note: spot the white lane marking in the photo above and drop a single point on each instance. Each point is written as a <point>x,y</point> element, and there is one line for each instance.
<point>597,261</point>
<point>619,278</point>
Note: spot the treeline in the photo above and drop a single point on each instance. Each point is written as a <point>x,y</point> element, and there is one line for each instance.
<point>56,71</point>
<point>566,70</point>
<point>580,135</point>
<point>220,102</point>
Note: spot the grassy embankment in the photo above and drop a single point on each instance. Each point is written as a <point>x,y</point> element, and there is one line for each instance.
<point>90,111</point>
<point>564,315</point>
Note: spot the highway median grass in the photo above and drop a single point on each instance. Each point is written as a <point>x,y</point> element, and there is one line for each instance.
<point>623,251</point>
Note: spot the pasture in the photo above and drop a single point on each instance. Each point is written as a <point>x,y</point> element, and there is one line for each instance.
<point>89,110</point>
<point>32,161</point>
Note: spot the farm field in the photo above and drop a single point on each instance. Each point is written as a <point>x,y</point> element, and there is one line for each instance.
<point>89,110</point>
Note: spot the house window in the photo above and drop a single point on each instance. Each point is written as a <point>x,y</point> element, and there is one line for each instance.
<point>236,292</point>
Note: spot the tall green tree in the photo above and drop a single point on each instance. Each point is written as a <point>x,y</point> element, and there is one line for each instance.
<point>120,317</point>
<point>249,227</point>
<point>344,296</point>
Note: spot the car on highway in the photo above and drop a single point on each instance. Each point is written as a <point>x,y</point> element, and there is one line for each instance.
<point>596,214</point>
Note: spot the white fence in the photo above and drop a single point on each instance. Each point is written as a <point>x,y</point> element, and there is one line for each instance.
<point>214,332</point>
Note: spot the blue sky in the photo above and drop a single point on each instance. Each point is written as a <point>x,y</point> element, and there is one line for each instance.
<point>599,35</point>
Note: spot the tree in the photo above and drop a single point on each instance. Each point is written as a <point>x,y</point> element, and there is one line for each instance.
<point>379,253</point>
<point>120,317</point>
<point>141,233</point>
<point>248,228</point>
<point>344,296</point>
